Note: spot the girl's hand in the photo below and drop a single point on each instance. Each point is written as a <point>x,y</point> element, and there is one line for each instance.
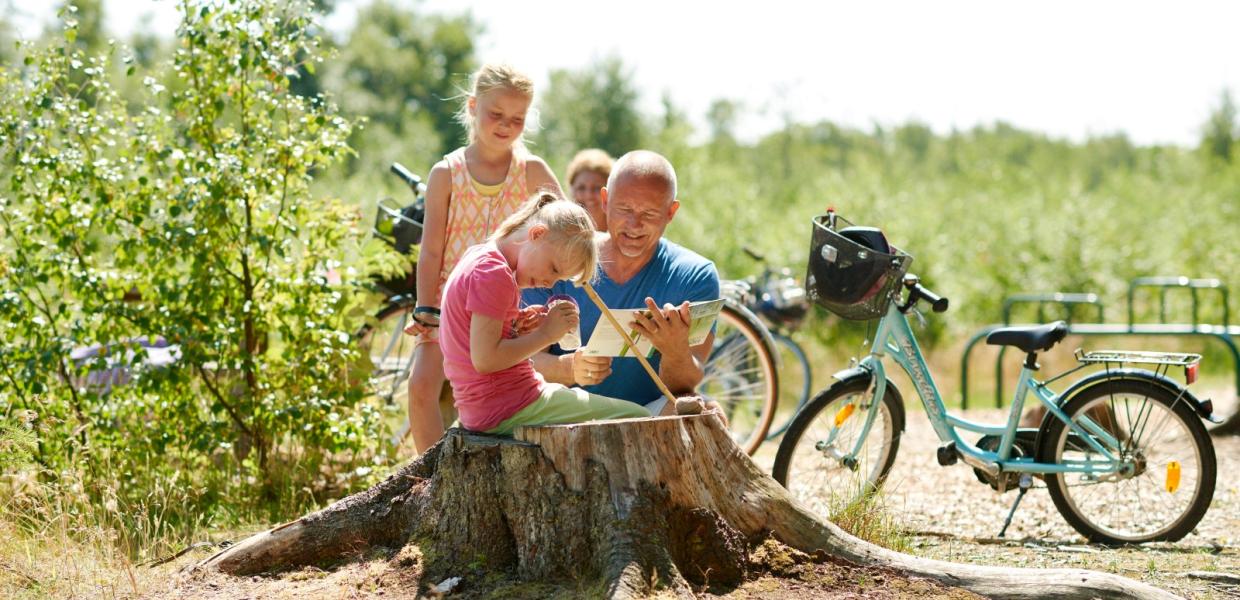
<point>529,318</point>
<point>560,318</point>
<point>415,327</point>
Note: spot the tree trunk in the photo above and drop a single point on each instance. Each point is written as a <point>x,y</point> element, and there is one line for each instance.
<point>641,503</point>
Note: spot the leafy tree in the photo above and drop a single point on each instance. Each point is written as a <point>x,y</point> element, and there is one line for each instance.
<point>595,107</point>
<point>86,18</point>
<point>1220,133</point>
<point>189,217</point>
<point>721,116</point>
<point>401,70</point>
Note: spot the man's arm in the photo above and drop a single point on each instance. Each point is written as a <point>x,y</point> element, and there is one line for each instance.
<point>572,369</point>
<point>681,366</point>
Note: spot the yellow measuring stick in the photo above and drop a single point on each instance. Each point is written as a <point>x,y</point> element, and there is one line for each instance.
<point>628,340</point>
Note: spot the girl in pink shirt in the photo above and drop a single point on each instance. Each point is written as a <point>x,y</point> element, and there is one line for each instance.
<point>494,383</point>
<point>469,193</point>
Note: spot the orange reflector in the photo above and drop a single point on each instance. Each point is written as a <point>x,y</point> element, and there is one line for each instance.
<point>844,413</point>
<point>1190,373</point>
<point>1173,476</point>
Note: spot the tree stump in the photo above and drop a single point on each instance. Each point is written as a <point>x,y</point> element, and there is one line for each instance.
<point>640,503</point>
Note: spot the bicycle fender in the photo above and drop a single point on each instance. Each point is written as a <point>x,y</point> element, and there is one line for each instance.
<point>1204,410</point>
<point>850,372</point>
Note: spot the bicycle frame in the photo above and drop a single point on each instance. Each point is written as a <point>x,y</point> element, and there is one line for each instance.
<point>894,336</point>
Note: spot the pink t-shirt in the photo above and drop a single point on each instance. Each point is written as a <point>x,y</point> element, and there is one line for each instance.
<point>483,283</point>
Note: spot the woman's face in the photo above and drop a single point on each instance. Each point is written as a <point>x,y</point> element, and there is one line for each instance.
<point>585,188</point>
<point>500,116</point>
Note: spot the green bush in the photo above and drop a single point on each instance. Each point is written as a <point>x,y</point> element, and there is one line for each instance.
<point>187,215</point>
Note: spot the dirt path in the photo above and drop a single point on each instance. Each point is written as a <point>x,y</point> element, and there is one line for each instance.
<point>952,516</point>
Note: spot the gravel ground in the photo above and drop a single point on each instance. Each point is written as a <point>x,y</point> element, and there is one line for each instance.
<point>950,515</point>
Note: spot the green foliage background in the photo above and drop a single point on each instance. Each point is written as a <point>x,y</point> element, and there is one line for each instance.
<point>223,173</point>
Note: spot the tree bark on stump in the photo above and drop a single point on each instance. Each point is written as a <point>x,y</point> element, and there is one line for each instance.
<point>640,503</point>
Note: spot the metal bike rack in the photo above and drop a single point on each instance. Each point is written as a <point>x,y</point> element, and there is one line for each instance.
<point>1067,302</point>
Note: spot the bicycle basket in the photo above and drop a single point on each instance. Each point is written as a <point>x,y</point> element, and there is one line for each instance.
<point>848,278</point>
<point>401,228</point>
<point>785,301</point>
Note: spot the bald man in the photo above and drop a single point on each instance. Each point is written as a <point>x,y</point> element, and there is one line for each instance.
<point>639,268</point>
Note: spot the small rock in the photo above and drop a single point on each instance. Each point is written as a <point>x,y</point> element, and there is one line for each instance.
<point>444,587</point>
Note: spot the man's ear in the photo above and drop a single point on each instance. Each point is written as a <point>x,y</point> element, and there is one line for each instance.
<point>671,211</point>
<point>602,198</point>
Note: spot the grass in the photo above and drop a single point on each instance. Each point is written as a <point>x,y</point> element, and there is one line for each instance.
<point>868,517</point>
<point>53,547</point>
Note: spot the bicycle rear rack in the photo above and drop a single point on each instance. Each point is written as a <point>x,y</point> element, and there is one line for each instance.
<point>1109,357</point>
<point>1226,333</point>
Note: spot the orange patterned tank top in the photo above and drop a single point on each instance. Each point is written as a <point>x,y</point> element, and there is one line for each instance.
<point>471,215</point>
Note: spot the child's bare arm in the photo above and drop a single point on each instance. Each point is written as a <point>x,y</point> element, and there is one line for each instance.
<point>490,352</point>
<point>434,232</point>
<point>538,176</point>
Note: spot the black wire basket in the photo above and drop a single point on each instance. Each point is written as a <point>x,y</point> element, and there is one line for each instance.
<point>847,278</point>
<point>399,227</point>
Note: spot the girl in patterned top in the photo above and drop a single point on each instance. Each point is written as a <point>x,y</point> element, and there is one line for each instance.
<point>469,193</point>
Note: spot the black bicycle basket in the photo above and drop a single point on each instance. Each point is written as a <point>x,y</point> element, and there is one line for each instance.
<point>399,227</point>
<point>849,279</point>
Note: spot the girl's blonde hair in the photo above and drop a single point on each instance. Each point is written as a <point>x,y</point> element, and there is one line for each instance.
<point>568,227</point>
<point>490,77</point>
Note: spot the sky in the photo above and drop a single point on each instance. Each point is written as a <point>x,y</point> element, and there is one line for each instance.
<point>1074,69</point>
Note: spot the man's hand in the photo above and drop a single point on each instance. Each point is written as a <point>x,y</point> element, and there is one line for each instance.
<point>589,370</point>
<point>666,328</point>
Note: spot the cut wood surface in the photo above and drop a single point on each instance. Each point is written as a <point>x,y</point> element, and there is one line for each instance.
<point>642,504</point>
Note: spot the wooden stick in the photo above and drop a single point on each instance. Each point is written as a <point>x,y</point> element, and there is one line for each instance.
<point>619,328</point>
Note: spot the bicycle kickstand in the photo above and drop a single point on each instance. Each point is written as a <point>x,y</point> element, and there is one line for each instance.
<point>1026,482</point>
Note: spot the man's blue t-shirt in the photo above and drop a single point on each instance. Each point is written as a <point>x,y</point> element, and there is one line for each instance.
<point>673,275</point>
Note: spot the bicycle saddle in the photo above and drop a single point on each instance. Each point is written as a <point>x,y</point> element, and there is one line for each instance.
<point>1030,338</point>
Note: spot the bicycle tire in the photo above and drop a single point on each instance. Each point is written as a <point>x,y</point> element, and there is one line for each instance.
<point>390,351</point>
<point>839,485</point>
<point>795,380</point>
<point>740,375</point>
<point>1144,437</point>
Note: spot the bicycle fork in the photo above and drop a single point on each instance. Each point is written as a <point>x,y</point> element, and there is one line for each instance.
<point>869,401</point>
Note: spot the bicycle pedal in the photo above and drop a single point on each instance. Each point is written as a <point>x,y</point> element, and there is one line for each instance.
<point>947,454</point>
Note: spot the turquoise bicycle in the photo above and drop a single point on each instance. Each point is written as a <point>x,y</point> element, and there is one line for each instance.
<point>1122,450</point>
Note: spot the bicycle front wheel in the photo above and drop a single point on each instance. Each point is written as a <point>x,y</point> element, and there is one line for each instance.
<point>741,376</point>
<point>795,383</point>
<point>815,461</point>
<point>1168,486</point>
<point>391,353</point>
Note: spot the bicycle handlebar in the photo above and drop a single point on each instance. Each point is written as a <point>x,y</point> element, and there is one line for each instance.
<point>407,176</point>
<point>917,292</point>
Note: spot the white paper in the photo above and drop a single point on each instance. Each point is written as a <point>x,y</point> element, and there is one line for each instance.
<point>606,341</point>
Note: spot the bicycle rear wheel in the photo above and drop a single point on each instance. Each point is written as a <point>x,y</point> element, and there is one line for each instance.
<point>795,383</point>
<point>1172,481</point>
<point>741,376</point>
<point>809,461</point>
<point>391,353</point>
